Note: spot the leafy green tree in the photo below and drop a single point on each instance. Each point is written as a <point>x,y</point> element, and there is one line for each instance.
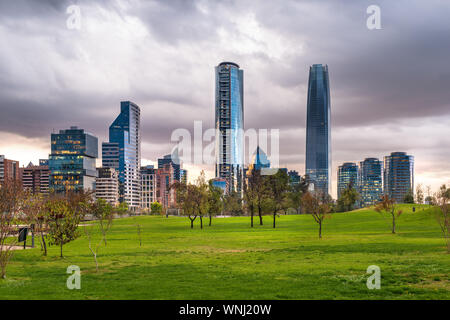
<point>250,196</point>
<point>233,204</point>
<point>348,199</point>
<point>156,207</point>
<point>201,198</point>
<point>318,206</point>
<point>63,220</point>
<point>389,206</point>
<point>296,193</point>
<point>122,208</point>
<point>215,203</point>
<point>185,200</point>
<point>409,197</point>
<point>278,187</point>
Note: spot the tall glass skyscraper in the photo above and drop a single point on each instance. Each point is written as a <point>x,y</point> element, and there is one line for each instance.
<point>230,124</point>
<point>370,181</point>
<point>123,152</point>
<point>318,137</point>
<point>72,160</point>
<point>347,175</point>
<point>398,175</point>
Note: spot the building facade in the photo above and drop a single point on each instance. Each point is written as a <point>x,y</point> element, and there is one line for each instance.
<point>370,181</point>
<point>294,178</point>
<point>72,160</point>
<point>165,195</point>
<point>36,178</point>
<point>398,175</point>
<point>107,185</point>
<point>174,162</point>
<point>9,169</point>
<point>123,153</point>
<point>347,176</point>
<point>148,185</point>
<point>229,124</point>
<point>318,130</point>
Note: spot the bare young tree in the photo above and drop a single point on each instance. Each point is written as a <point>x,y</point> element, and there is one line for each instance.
<point>318,206</point>
<point>12,198</point>
<point>389,206</point>
<point>442,200</point>
<point>419,194</point>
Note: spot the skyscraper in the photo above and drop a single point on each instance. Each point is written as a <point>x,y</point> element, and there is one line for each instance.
<point>347,175</point>
<point>123,152</point>
<point>370,181</point>
<point>398,175</point>
<point>318,142</point>
<point>72,160</point>
<point>229,124</point>
<point>36,178</point>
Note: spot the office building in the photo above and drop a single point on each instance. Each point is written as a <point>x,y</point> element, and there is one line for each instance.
<point>318,134</point>
<point>165,195</point>
<point>347,176</point>
<point>123,153</point>
<point>370,183</point>
<point>72,160</point>
<point>398,175</point>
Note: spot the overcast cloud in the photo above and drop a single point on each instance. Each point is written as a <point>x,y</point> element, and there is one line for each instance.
<point>390,88</point>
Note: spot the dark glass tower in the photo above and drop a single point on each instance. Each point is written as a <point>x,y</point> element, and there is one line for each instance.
<point>370,181</point>
<point>398,175</point>
<point>123,152</point>
<point>318,142</point>
<point>347,175</point>
<point>72,160</point>
<point>229,124</point>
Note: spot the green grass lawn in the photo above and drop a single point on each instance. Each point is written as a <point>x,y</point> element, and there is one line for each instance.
<point>229,260</point>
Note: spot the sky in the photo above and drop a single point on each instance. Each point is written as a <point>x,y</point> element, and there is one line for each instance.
<point>390,87</point>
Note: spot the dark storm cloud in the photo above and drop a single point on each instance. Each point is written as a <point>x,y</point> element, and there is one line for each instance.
<point>390,80</point>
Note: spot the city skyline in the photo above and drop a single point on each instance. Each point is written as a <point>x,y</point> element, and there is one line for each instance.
<point>383,101</point>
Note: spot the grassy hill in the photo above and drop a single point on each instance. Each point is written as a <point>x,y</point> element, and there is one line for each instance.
<point>229,260</point>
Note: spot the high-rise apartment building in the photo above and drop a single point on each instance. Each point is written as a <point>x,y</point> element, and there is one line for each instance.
<point>174,162</point>
<point>318,129</point>
<point>398,175</point>
<point>347,176</point>
<point>123,152</point>
<point>107,185</point>
<point>370,181</point>
<point>9,169</point>
<point>229,124</point>
<point>36,178</point>
<point>72,160</point>
<point>148,185</point>
<point>165,195</point>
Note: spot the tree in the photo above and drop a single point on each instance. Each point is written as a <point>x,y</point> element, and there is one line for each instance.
<point>348,199</point>
<point>122,208</point>
<point>200,198</point>
<point>35,211</point>
<point>12,199</point>
<point>278,187</point>
<point>409,197</point>
<point>388,205</point>
<point>442,200</point>
<point>296,193</point>
<point>156,207</point>
<point>64,215</point>
<point>185,199</point>
<point>215,203</point>
<point>233,203</point>
<point>261,192</point>
<point>419,194</point>
<point>250,195</point>
<point>317,205</point>
<point>102,211</point>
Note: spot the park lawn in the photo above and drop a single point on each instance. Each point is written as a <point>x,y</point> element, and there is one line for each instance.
<point>229,260</point>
